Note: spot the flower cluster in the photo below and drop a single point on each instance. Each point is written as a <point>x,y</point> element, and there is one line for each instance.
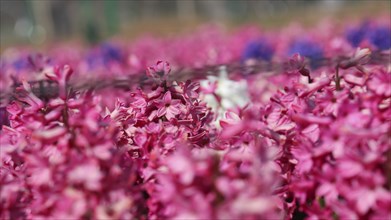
<point>334,142</point>
<point>59,159</point>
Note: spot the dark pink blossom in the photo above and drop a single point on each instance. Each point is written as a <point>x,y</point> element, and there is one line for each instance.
<point>168,107</point>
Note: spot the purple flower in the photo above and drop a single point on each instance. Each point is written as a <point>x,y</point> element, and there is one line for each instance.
<point>356,35</point>
<point>260,49</point>
<point>380,37</point>
<point>307,48</point>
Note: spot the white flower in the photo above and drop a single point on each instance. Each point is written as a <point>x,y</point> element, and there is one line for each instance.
<point>233,94</point>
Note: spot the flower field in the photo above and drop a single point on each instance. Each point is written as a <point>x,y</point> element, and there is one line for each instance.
<point>293,123</point>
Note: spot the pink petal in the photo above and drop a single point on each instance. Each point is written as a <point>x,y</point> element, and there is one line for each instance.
<point>50,135</point>
<point>153,127</point>
<point>366,201</point>
<point>348,168</point>
<point>315,86</point>
<point>329,191</point>
<point>181,165</point>
<point>53,115</point>
<point>40,177</point>
<point>89,174</point>
<point>360,81</point>
<point>14,108</point>
<point>56,102</point>
<point>161,111</point>
<point>167,98</point>
<point>173,110</point>
<point>232,116</point>
<point>305,164</point>
<point>140,139</point>
<point>102,152</point>
<point>152,115</point>
<point>162,66</point>
<point>256,205</point>
<point>139,102</point>
<point>312,132</point>
<point>232,130</point>
<point>302,118</point>
<point>169,115</point>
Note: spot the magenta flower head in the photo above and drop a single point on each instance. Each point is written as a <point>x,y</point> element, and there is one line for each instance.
<point>168,107</point>
<point>159,71</point>
<point>360,57</point>
<point>298,63</point>
<point>61,75</point>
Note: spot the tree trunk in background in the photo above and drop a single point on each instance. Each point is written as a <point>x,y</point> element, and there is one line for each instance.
<point>215,9</point>
<point>186,9</point>
<point>43,20</point>
<point>149,9</point>
<point>61,18</point>
<point>111,12</point>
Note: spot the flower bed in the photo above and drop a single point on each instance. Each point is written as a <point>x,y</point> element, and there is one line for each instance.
<point>299,128</point>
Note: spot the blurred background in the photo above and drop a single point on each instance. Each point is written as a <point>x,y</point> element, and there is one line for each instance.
<point>42,22</point>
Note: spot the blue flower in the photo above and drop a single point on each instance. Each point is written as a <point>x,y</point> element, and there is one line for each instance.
<point>105,54</point>
<point>356,35</point>
<point>258,50</point>
<point>380,37</point>
<point>21,63</point>
<point>308,49</point>
<point>93,60</point>
<point>111,53</point>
